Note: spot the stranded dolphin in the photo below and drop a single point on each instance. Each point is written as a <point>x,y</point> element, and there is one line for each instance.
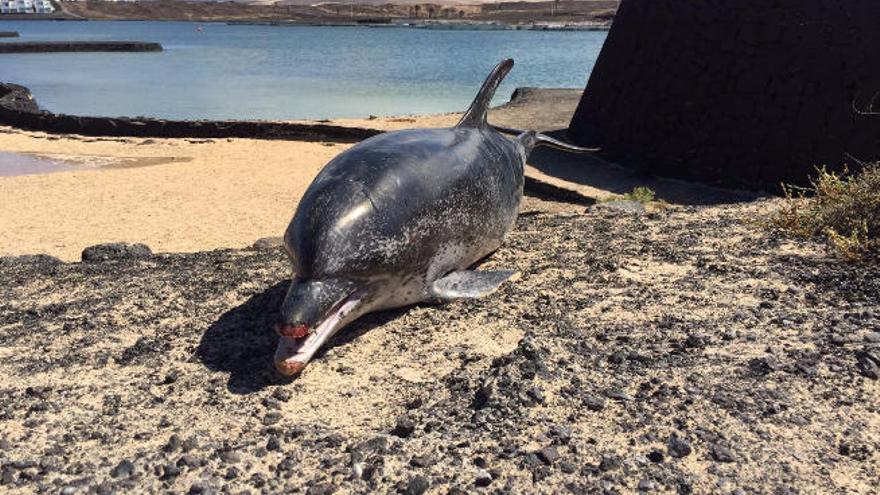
<point>399,218</point>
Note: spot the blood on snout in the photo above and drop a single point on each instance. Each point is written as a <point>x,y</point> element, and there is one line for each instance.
<point>297,331</point>
<point>290,368</point>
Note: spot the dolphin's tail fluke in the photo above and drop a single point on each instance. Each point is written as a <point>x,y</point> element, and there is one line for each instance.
<point>531,139</point>
<point>476,114</point>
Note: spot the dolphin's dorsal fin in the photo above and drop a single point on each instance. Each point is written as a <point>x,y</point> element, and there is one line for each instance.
<point>476,114</point>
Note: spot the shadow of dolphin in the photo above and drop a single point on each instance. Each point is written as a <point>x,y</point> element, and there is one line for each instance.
<point>242,341</point>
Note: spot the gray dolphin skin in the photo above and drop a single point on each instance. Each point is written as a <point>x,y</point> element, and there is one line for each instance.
<point>398,219</point>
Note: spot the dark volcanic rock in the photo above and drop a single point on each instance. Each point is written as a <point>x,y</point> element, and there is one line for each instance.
<point>515,391</point>
<point>548,455</point>
<point>404,427</point>
<point>123,470</point>
<point>721,453</point>
<point>417,485</point>
<point>678,447</point>
<point>268,243</point>
<point>116,251</point>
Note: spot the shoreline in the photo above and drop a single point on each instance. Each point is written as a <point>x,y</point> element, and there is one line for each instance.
<point>448,25</point>
<point>197,186</point>
<point>547,15</point>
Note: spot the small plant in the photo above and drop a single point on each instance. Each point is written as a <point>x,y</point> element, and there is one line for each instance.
<point>641,194</point>
<point>842,208</point>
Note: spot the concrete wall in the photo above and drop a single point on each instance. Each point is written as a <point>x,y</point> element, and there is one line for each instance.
<point>743,93</point>
<point>19,109</point>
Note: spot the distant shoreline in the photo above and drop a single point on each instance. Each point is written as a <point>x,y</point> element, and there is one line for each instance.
<point>445,25</point>
<point>542,15</point>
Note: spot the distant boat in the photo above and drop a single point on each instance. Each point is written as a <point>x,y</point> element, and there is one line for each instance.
<point>199,28</point>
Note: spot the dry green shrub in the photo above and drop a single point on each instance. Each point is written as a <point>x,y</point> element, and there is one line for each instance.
<point>639,194</point>
<point>842,208</point>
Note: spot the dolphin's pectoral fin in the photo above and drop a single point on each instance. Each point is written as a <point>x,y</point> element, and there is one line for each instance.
<point>467,284</point>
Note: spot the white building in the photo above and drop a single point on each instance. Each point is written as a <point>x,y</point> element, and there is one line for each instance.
<point>26,7</point>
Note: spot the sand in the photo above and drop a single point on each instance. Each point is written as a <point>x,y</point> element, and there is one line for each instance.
<point>210,194</point>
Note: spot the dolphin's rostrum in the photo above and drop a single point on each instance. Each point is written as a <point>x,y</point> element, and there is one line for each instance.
<point>398,219</point>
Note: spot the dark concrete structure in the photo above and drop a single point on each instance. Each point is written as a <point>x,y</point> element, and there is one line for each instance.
<point>745,93</point>
<point>78,46</point>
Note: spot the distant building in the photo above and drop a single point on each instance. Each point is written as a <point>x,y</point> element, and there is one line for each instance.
<point>26,7</point>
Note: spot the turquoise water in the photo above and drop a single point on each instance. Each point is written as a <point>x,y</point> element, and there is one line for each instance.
<point>282,72</point>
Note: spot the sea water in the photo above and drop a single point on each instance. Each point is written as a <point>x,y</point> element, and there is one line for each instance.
<point>219,71</point>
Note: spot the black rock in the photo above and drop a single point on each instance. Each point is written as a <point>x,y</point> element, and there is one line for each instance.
<point>655,456</point>
<point>200,488</point>
<point>373,446</point>
<point>417,486</point>
<point>170,471</point>
<point>273,443</point>
<point>105,488</point>
<point>762,366</point>
<point>123,470</point>
<point>482,396</point>
<point>271,418</point>
<point>721,453</point>
<point>561,433</point>
<point>484,478</point>
<point>609,463</point>
<point>567,467</point>
<point>116,251</point>
<point>548,455</point>
<point>404,428</point>
<point>268,243</point>
<point>422,460</point>
<point>281,394</point>
<point>173,443</point>
<point>190,444</point>
<point>869,365</point>
<point>230,456</point>
<point>321,489</point>
<point>594,403</point>
<point>189,460</point>
<point>620,395</point>
<point>678,448</point>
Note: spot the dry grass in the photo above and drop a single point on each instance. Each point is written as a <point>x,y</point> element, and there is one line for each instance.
<point>844,209</point>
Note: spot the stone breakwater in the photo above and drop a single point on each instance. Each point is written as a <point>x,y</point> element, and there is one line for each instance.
<point>79,46</point>
<point>19,109</point>
<point>8,34</point>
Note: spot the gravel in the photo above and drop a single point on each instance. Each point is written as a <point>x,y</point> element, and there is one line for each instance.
<point>677,351</point>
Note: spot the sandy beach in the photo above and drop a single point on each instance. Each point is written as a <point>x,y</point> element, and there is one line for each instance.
<point>202,194</point>
<point>188,195</point>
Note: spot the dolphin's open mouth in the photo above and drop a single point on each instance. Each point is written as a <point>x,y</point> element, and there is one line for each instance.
<point>294,353</point>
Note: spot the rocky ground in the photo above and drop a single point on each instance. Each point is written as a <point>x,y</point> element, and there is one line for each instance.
<point>682,350</point>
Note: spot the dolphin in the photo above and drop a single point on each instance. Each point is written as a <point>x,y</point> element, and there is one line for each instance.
<point>401,218</point>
